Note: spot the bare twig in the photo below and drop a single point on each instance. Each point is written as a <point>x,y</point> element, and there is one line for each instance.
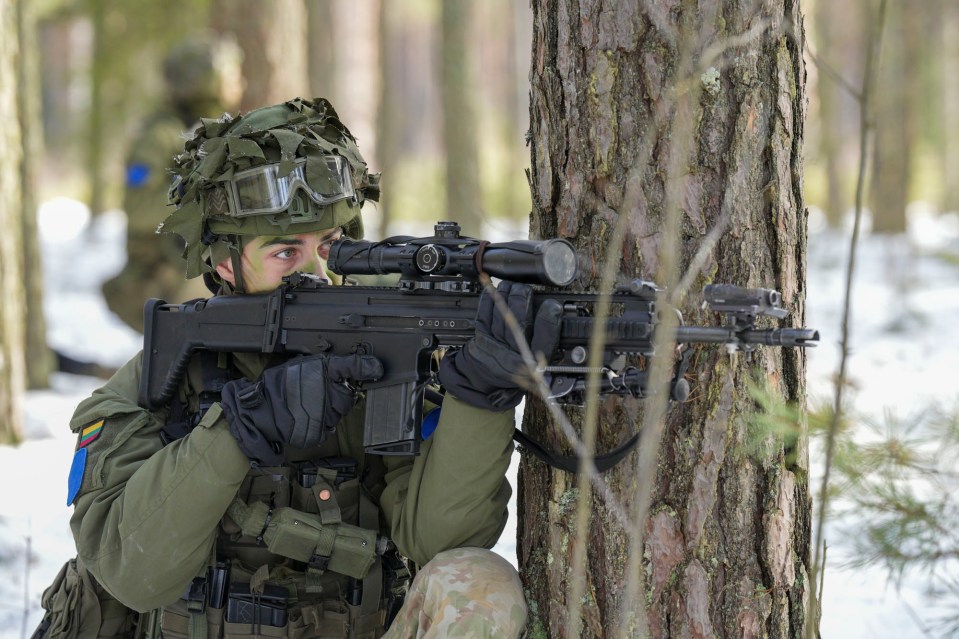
<point>865,128</point>
<point>26,588</point>
<point>829,70</point>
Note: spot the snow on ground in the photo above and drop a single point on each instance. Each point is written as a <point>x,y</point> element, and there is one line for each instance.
<point>905,351</point>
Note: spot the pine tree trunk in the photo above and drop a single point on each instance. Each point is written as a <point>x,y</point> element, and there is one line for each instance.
<point>39,357</point>
<point>95,152</point>
<point>459,120</point>
<point>726,549</point>
<point>895,123</point>
<point>12,372</point>
<point>388,110</point>
<point>322,43</point>
<point>950,105</point>
<point>830,135</point>
<point>273,38</point>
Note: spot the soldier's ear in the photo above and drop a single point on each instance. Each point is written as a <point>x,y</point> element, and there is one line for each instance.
<point>225,270</point>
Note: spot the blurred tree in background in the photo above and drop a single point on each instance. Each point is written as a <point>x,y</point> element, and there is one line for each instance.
<point>273,36</point>
<point>459,118</point>
<point>916,145</point>
<point>385,69</point>
<point>12,364</point>
<point>380,63</point>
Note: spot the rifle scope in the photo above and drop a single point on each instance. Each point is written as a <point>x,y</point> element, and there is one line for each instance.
<point>446,255</point>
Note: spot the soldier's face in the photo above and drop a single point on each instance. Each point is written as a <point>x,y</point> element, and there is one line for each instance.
<point>267,260</point>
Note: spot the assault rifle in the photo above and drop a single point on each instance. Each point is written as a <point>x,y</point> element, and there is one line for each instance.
<point>433,307</point>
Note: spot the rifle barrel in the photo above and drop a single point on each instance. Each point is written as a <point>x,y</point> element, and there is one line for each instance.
<point>797,337</point>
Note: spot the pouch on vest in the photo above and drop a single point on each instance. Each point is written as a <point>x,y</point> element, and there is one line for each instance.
<point>78,608</point>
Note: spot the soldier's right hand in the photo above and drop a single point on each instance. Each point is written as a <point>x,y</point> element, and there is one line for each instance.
<point>298,403</point>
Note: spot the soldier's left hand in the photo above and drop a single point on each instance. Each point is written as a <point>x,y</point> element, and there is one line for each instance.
<point>490,372</point>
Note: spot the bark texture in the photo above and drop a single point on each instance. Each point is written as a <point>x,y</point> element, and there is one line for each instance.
<point>727,537</point>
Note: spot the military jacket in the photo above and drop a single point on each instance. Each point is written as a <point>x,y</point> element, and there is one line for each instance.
<point>150,517</point>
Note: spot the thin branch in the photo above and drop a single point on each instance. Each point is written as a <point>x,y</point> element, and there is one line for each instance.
<point>830,71</point>
<point>865,126</point>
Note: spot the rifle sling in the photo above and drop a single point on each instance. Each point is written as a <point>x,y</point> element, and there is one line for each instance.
<point>570,463</point>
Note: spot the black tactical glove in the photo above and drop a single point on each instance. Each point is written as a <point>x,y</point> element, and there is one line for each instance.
<point>298,403</point>
<point>489,371</point>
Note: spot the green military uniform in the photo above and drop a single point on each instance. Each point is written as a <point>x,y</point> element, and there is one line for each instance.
<point>154,267</point>
<point>198,74</point>
<point>171,514</point>
<point>166,510</point>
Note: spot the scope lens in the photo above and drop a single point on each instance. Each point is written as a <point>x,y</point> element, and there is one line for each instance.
<point>559,262</point>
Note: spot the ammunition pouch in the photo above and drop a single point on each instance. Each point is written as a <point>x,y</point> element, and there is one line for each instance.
<point>77,607</point>
<point>301,557</point>
<point>341,547</point>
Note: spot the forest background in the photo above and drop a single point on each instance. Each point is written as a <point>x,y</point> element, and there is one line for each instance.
<point>438,96</point>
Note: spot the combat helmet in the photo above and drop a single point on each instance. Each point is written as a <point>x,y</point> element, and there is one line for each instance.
<point>279,170</point>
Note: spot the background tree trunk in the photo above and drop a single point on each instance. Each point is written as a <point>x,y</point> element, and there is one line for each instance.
<point>459,119</point>
<point>389,110</point>
<point>97,116</point>
<point>12,372</point>
<point>895,138</point>
<point>39,357</point>
<point>273,38</point>
<point>830,131</point>
<point>727,537</point>
<point>322,45</point>
<point>950,104</point>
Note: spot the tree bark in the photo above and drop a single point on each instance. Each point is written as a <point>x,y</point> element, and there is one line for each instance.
<point>726,549</point>
<point>12,366</point>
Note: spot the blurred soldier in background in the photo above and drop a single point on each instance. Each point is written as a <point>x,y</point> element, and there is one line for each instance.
<point>203,79</point>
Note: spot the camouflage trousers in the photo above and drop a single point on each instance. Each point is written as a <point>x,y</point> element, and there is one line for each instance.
<point>466,592</point>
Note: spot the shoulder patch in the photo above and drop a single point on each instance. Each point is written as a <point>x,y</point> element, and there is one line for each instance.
<point>430,422</point>
<point>137,175</point>
<point>90,432</point>
<point>75,479</point>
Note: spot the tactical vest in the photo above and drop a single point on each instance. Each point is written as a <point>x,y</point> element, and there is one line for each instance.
<point>296,587</point>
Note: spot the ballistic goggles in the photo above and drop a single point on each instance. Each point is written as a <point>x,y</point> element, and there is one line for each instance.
<point>261,190</point>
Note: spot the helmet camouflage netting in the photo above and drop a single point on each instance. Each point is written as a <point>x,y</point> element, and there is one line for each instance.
<point>279,134</point>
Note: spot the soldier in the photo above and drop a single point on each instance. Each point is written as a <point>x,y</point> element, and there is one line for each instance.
<point>202,78</point>
<point>248,506</point>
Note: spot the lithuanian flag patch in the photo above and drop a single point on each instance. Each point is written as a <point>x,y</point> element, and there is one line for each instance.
<point>90,433</point>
